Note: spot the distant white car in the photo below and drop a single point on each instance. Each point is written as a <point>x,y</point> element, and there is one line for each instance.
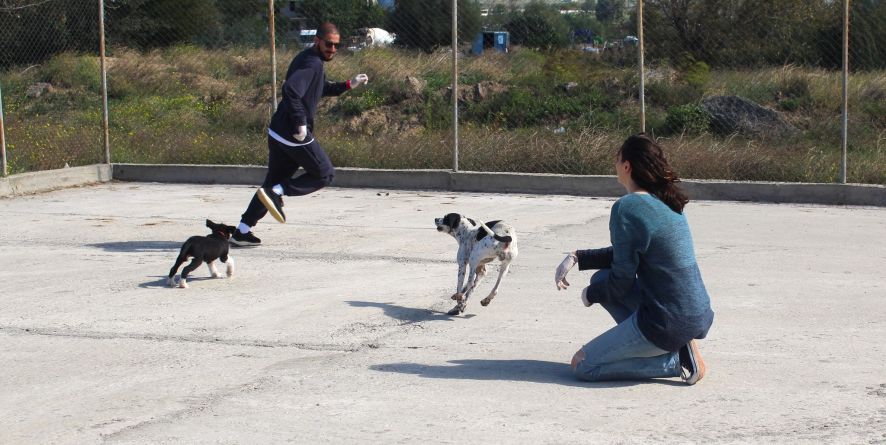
<point>367,37</point>
<point>306,37</point>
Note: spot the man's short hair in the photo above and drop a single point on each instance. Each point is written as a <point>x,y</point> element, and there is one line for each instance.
<point>327,29</point>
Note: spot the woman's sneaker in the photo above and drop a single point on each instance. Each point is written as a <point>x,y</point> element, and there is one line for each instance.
<point>584,297</point>
<point>273,202</point>
<point>244,239</point>
<point>692,365</point>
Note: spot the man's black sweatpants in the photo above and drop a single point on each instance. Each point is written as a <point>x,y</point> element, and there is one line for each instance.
<point>283,162</point>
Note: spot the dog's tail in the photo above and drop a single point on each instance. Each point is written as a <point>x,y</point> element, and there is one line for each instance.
<point>503,239</point>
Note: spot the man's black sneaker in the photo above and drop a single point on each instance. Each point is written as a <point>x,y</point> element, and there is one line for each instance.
<point>273,202</point>
<point>692,363</point>
<point>244,239</point>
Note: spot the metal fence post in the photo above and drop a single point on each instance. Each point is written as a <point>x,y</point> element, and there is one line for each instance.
<point>273,56</point>
<point>2,133</point>
<point>101,50</point>
<point>844,132</point>
<point>455,85</point>
<point>642,68</point>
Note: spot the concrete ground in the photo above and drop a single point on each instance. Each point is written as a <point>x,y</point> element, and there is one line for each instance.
<point>335,331</point>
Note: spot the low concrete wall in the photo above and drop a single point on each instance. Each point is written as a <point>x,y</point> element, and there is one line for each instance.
<point>43,181</point>
<point>602,186</point>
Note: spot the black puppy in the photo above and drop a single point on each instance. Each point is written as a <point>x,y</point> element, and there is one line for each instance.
<point>204,248</point>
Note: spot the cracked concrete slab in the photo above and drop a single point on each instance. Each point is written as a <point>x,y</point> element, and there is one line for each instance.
<point>335,330</point>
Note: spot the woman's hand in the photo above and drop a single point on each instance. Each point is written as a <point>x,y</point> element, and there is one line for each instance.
<point>563,269</point>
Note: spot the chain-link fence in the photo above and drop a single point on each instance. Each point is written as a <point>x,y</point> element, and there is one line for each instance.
<point>747,90</point>
<point>50,83</point>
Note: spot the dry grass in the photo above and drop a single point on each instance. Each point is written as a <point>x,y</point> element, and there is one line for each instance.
<point>187,104</point>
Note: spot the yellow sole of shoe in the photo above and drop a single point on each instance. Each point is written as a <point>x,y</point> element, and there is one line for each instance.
<point>699,362</point>
<point>272,209</point>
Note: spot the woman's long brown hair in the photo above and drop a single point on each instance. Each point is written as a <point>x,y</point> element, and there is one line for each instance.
<point>651,171</point>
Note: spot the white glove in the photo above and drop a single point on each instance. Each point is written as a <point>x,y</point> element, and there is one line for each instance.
<point>302,133</point>
<point>358,80</point>
<point>563,269</point>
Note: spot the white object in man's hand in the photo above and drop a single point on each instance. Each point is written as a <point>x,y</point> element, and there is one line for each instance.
<point>563,269</point>
<point>358,80</point>
<point>302,133</point>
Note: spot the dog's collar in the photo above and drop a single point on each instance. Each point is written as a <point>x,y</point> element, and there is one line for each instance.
<point>220,233</point>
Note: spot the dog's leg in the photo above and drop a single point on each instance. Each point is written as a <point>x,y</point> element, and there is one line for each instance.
<point>212,270</point>
<point>478,271</point>
<point>178,262</point>
<point>462,266</point>
<point>195,263</point>
<point>502,271</point>
<point>229,266</point>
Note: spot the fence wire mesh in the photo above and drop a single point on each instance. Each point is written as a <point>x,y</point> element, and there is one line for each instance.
<point>747,90</point>
<point>50,80</point>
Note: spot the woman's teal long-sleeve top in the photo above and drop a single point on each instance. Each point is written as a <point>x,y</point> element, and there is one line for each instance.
<point>652,252</point>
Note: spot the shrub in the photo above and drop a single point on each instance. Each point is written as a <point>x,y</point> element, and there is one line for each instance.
<point>356,105</point>
<point>698,74</point>
<point>686,119</point>
<point>667,94</point>
<point>73,71</point>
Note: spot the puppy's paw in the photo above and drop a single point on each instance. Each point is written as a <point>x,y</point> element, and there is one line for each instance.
<point>182,284</point>
<point>170,282</point>
<point>486,301</point>
<point>230,275</point>
<point>458,296</point>
<point>459,308</point>
<point>215,275</point>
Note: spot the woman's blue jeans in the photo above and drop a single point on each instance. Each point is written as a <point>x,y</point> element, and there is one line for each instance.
<point>623,353</point>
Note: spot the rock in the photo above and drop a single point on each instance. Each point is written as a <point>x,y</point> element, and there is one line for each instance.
<point>415,87</point>
<point>567,87</point>
<point>734,114</point>
<point>37,89</point>
<point>412,89</point>
<point>475,93</point>
<point>488,89</point>
<point>369,122</point>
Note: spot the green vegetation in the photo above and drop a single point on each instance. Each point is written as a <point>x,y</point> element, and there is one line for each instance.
<point>184,104</point>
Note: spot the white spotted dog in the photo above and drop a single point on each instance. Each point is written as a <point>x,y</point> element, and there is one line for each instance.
<point>478,244</point>
<point>204,248</point>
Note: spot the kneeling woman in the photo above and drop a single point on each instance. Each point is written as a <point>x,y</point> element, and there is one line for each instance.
<point>648,280</point>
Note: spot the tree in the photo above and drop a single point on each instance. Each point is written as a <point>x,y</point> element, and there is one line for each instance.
<point>589,5</point>
<point>34,31</point>
<point>157,23</point>
<point>539,26</point>
<point>347,15</point>
<point>771,32</point>
<point>868,35</point>
<point>610,10</point>
<point>242,23</point>
<point>427,24</point>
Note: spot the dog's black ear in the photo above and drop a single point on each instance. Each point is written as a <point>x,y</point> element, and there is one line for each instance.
<point>452,219</point>
<point>209,223</point>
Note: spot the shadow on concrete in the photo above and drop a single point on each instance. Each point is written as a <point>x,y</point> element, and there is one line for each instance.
<point>407,314</point>
<point>160,282</point>
<point>139,246</point>
<point>536,371</point>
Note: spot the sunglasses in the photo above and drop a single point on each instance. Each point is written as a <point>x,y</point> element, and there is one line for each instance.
<point>331,44</point>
